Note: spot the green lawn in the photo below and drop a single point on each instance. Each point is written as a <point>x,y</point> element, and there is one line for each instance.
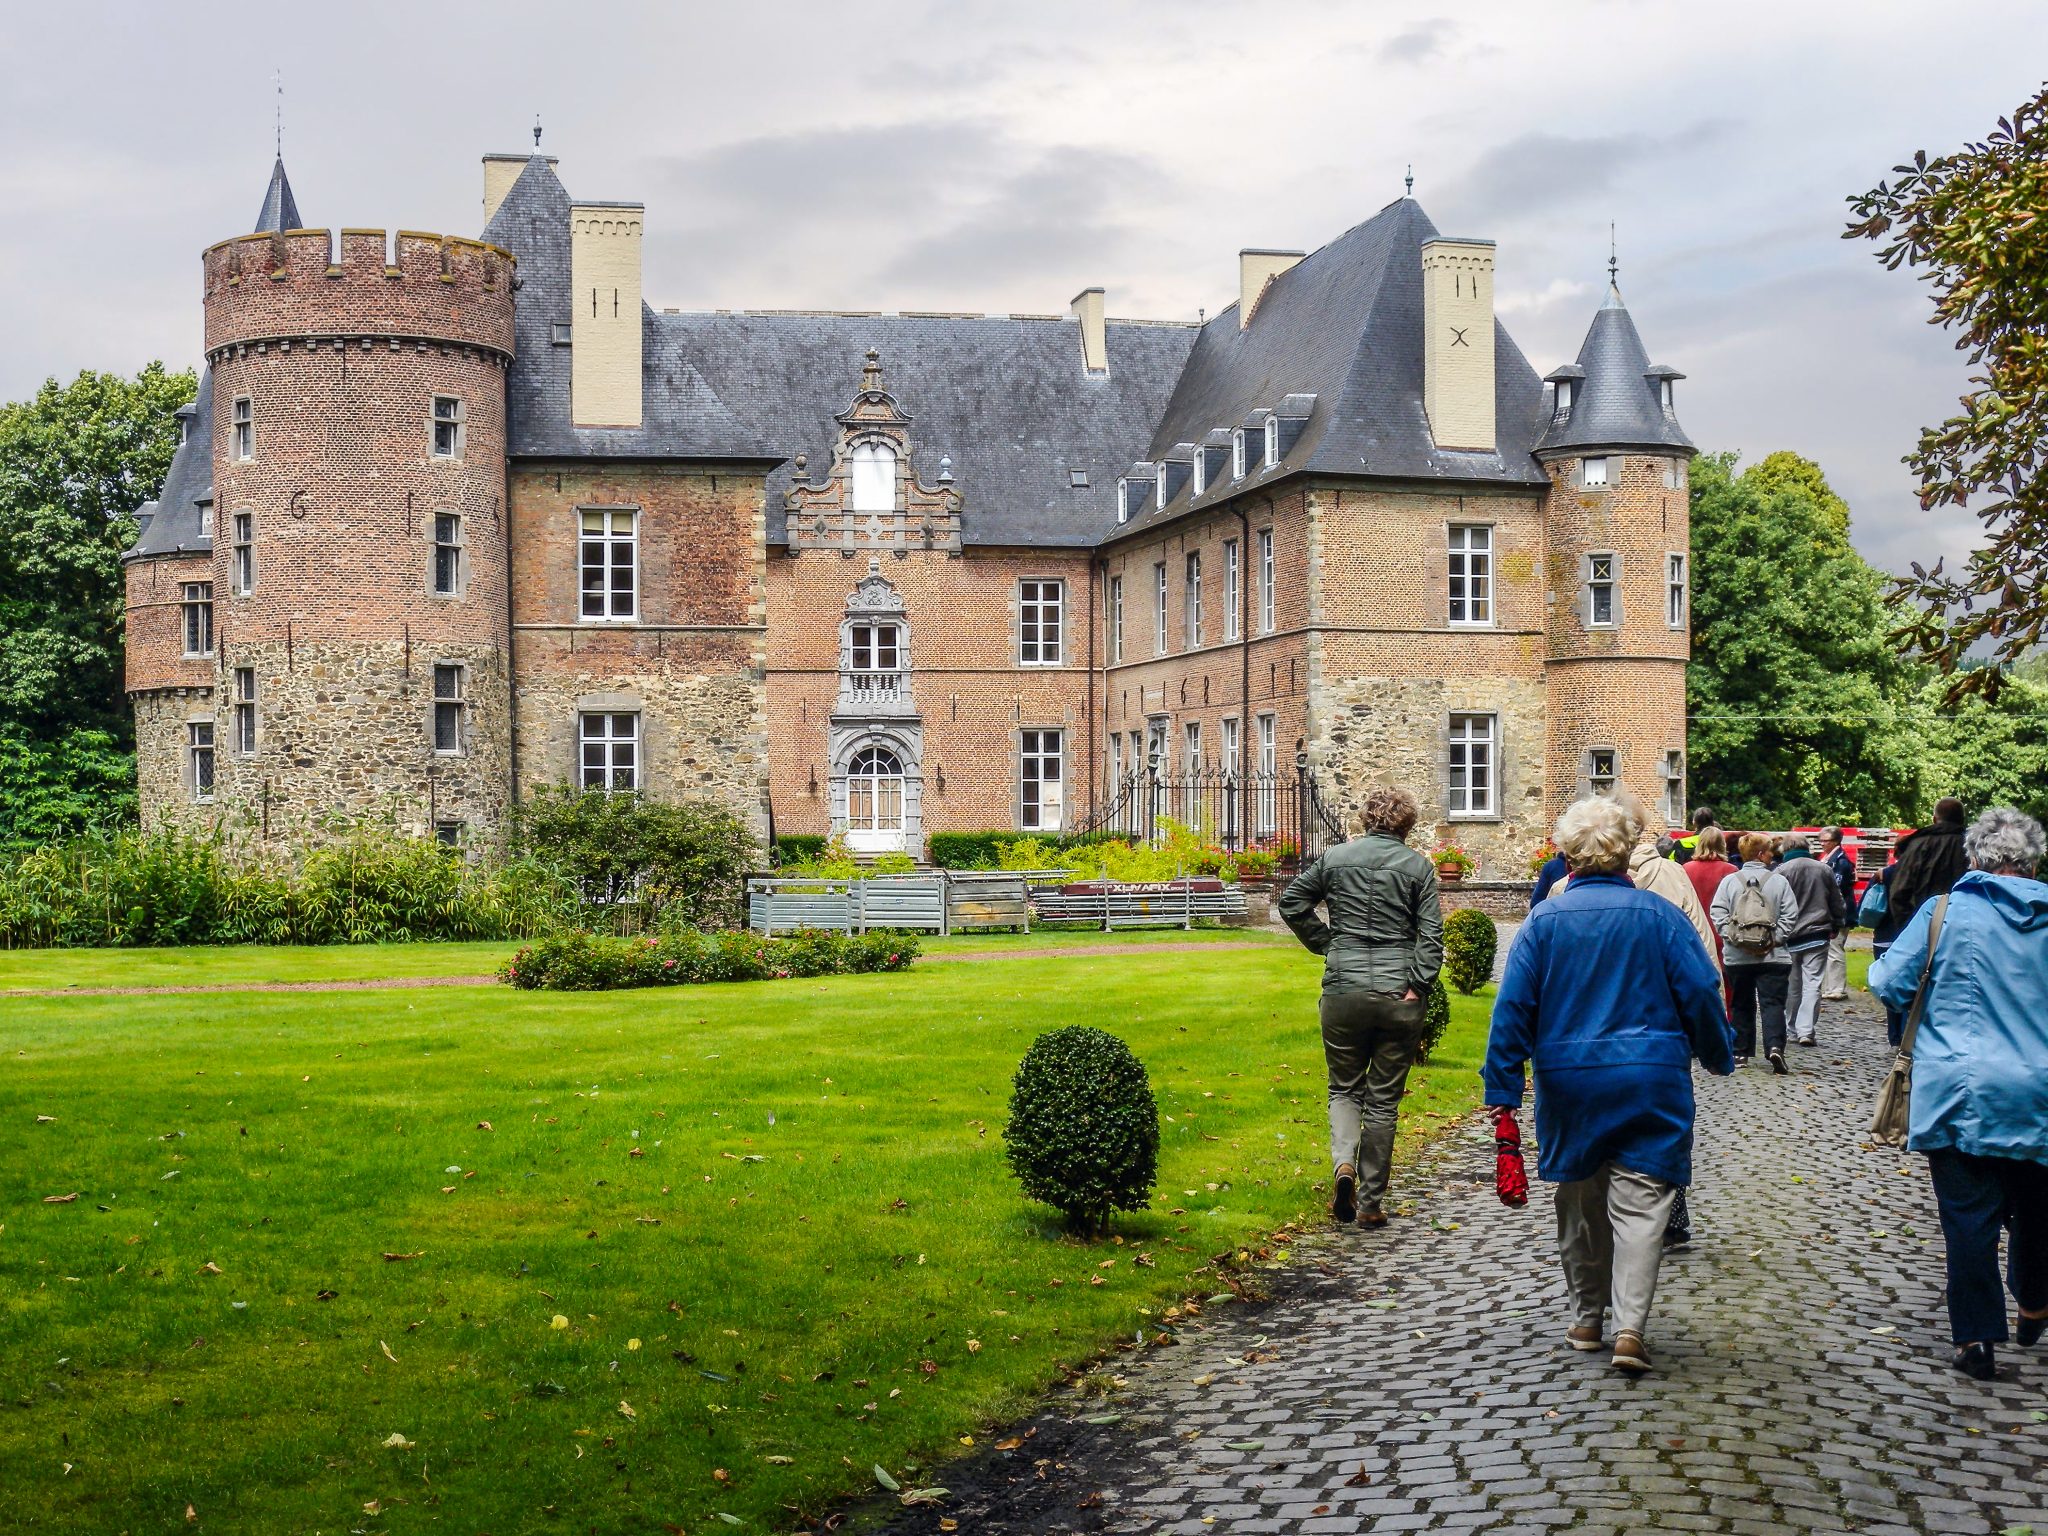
<point>774,1218</point>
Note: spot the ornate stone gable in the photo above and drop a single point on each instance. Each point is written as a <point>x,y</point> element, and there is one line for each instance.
<point>850,509</point>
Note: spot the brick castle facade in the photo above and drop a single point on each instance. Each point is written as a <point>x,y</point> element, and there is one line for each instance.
<point>454,519</point>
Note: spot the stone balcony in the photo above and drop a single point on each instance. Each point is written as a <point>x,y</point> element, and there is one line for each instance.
<point>875,693</point>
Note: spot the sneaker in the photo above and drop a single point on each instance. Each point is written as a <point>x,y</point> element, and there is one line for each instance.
<point>1834,997</point>
<point>1629,1354</point>
<point>1345,1206</point>
<point>1741,1061</point>
<point>1976,1360</point>
<point>1585,1338</point>
<point>1810,1044</point>
<point>1777,1061</point>
<point>2030,1329</point>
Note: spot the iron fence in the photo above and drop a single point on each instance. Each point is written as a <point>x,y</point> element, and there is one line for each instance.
<point>1282,810</point>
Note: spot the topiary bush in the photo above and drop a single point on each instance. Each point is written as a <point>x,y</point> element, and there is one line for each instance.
<point>1436,1018</point>
<point>1470,941</point>
<point>580,962</point>
<point>1083,1133</point>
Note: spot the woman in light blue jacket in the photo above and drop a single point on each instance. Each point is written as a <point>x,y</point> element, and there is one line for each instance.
<point>1980,1079</point>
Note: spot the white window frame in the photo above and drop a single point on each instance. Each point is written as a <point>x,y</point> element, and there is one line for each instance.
<point>865,491</point>
<point>456,550</point>
<point>1677,589</point>
<point>1272,448</point>
<point>1231,758</point>
<point>1473,753</point>
<point>200,762</point>
<point>1563,402</point>
<point>1198,476</point>
<point>1597,782</point>
<point>449,723</point>
<point>243,554</point>
<point>1233,591</point>
<point>1041,762</point>
<point>617,528</point>
<point>245,711</point>
<point>1674,787</point>
<point>1266,809</point>
<point>1191,598</point>
<point>1596,584</point>
<point>1123,499</point>
<point>1041,621</point>
<point>875,645</point>
<point>1159,488</point>
<point>447,420</point>
<point>1593,472</point>
<point>1468,568</point>
<point>195,602</point>
<point>1667,395</point>
<point>1237,453</point>
<point>1159,606</point>
<point>604,767</point>
<point>1266,577</point>
<point>206,519</point>
<point>242,429</point>
<point>1116,618</point>
<point>1191,748</point>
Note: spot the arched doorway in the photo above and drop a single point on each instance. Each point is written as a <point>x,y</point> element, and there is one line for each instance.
<point>874,801</point>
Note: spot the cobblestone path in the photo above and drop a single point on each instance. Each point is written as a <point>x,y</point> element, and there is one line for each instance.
<point>1418,1380</point>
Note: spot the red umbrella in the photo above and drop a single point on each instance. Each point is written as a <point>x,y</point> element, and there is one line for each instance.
<point>1510,1177</point>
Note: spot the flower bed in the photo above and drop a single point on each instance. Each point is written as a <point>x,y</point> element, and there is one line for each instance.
<point>581,962</point>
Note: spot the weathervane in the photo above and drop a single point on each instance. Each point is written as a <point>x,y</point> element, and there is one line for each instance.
<point>1613,261</point>
<point>277,75</point>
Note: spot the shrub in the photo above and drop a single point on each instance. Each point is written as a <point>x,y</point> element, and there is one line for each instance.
<point>582,962</point>
<point>797,847</point>
<point>1470,940</point>
<point>1083,1134</point>
<point>965,850</point>
<point>691,856</point>
<point>1436,1018</point>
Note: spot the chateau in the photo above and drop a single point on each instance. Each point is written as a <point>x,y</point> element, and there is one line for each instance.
<point>455,518</point>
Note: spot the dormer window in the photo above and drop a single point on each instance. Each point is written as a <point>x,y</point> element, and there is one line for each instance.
<point>1200,472</point>
<point>1159,488</point>
<point>1664,393</point>
<point>1237,454</point>
<point>1272,441</point>
<point>1564,396</point>
<point>1123,499</point>
<point>873,467</point>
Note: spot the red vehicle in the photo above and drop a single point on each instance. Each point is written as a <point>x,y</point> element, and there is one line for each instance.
<point>1870,847</point>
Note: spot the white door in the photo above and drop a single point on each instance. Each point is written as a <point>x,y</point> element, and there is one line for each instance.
<point>874,802</point>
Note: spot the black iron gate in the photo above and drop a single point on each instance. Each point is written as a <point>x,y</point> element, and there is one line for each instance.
<point>1284,811</point>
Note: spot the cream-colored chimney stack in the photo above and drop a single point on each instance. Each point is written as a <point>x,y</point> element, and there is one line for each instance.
<point>604,340</point>
<point>500,171</point>
<point>1457,342</point>
<point>1255,269</point>
<point>1087,308</point>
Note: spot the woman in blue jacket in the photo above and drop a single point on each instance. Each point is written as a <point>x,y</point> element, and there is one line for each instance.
<point>1980,1079</point>
<point>1610,994</point>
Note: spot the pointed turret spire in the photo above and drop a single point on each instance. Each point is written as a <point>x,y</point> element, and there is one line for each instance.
<point>1617,399</point>
<point>280,208</point>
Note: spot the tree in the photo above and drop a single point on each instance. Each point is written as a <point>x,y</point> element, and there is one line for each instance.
<point>1797,702</point>
<point>1990,752</point>
<point>1973,221</point>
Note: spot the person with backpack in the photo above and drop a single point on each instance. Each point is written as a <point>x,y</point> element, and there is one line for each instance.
<point>1813,930</point>
<point>1754,911</point>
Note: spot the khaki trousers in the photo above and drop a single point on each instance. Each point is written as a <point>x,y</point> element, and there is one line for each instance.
<point>1834,982</point>
<point>1610,1235</point>
<point>1369,1043</point>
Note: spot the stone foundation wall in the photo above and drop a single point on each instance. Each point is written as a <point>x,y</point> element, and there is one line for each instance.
<point>163,782</point>
<point>1498,899</point>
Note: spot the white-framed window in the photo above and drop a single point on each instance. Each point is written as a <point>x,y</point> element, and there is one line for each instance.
<point>1272,453</point>
<point>1564,396</point>
<point>1593,472</point>
<point>1191,599</point>
<point>1472,787</point>
<point>1265,803</point>
<point>609,559</point>
<point>1191,748</point>
<point>876,647</point>
<point>873,470</point>
<point>1199,475</point>
<point>1471,573</point>
<point>610,752</point>
<point>1233,590</point>
<point>1116,618</point>
<point>242,429</point>
<point>245,711</point>
<point>445,428</point>
<point>1159,488</point>
<point>1675,590</point>
<point>1265,581</point>
<point>206,519</point>
<point>449,834</point>
<point>449,704</point>
<point>1603,770</point>
<point>1674,789</point>
<point>1123,499</point>
<point>199,757</point>
<point>197,603</point>
<point>1041,609</point>
<point>1666,393</point>
<point>448,557</point>
<point>1041,781</point>
<point>1116,757</point>
<point>1231,760</point>
<point>1237,453</point>
<point>243,554</point>
<point>1159,608</point>
<point>1601,578</point>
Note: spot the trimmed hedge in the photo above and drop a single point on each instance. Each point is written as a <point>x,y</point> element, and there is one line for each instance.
<point>967,850</point>
<point>582,962</point>
<point>799,847</point>
<point>1470,943</point>
<point>1436,1018</point>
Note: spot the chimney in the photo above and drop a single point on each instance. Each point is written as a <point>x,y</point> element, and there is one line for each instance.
<point>604,286</point>
<point>1457,343</point>
<point>500,171</point>
<point>1087,308</point>
<point>1255,269</point>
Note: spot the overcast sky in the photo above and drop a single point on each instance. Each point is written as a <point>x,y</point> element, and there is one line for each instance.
<point>998,156</point>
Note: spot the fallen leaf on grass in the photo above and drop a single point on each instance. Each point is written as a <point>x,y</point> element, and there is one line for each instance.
<point>974,1346</point>
<point>397,1442</point>
<point>626,1410</point>
<point>209,1268</point>
<point>60,1199</point>
<point>374,1507</point>
<point>730,1519</point>
<point>779,1461</point>
<point>191,1515</point>
<point>919,1496</point>
<point>632,1343</point>
<point>483,1125</point>
<point>558,1321</point>
<point>171,1175</point>
<point>1010,1444</point>
<point>46,1119</point>
<point>888,1482</point>
<point>387,1352</point>
<point>400,1258</point>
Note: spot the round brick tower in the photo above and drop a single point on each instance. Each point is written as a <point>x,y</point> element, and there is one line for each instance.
<point>1619,568</point>
<point>359,550</point>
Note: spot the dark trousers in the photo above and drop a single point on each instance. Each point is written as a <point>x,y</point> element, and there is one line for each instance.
<point>1749,985</point>
<point>1979,1197</point>
<point>1370,1040</point>
<point>1894,1021</point>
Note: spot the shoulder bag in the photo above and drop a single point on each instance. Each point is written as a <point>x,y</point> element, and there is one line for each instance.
<point>1888,1127</point>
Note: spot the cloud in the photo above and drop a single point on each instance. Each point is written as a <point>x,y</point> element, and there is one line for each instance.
<point>1537,172</point>
<point>1419,43</point>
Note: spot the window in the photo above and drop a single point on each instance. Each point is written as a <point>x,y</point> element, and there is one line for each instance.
<point>1593,472</point>
<point>245,711</point>
<point>877,648</point>
<point>873,468</point>
<point>1159,609</point>
<point>1674,591</point>
<point>1674,789</point>
<point>874,791</point>
<point>1191,600</point>
<point>448,706</point>
<point>184,426</point>
<point>244,557</point>
<point>449,833</point>
<point>610,563</point>
<point>1078,479</point>
<point>1471,784</point>
<point>1040,605</point>
<point>1601,774</point>
<point>206,519</point>
<point>1041,801</point>
<point>1471,570</point>
<point>447,554</point>
<point>1232,762</point>
<point>1191,748</point>
<point>1116,618</point>
<point>562,333</point>
<point>1665,393</point>
<point>1123,500</point>
<point>242,439</point>
<point>198,606</point>
<point>1272,441</point>
<point>1564,396</point>
<point>1600,590</point>
<point>1265,581</point>
<point>1265,803</point>
<point>199,750</point>
<point>1237,454</point>
<point>611,752</point>
<point>1159,488</point>
<point>445,428</point>
<point>1674,474</point>
<point>1200,472</point>
<point>1233,592</point>
<point>1116,758</point>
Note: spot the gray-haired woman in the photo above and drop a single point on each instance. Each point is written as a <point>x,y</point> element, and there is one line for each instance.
<point>1980,1078</point>
<point>1384,944</point>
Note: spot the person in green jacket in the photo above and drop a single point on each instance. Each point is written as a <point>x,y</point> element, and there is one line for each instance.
<point>1383,945</point>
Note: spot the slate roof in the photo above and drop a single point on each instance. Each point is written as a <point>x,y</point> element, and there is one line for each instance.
<point>280,208</point>
<point>1616,401</point>
<point>173,518</point>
